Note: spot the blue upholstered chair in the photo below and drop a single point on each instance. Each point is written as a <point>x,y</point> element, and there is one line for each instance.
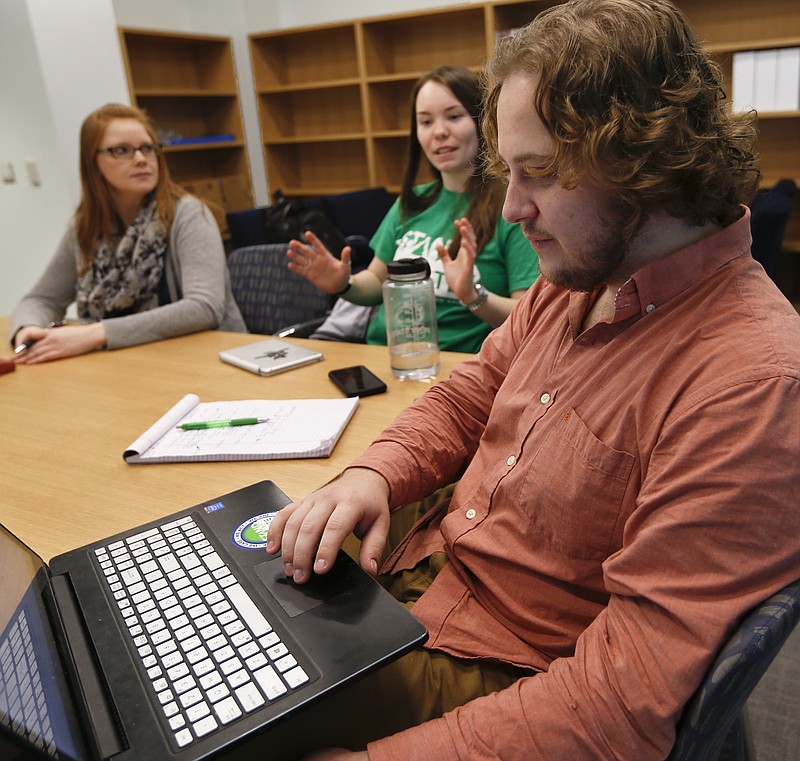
<point>356,215</point>
<point>246,227</point>
<point>714,723</point>
<point>271,296</point>
<point>769,215</point>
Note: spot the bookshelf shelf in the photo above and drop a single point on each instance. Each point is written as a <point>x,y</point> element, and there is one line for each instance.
<point>322,88</point>
<point>188,86</point>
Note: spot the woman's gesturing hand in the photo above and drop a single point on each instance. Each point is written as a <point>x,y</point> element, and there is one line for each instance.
<point>314,262</point>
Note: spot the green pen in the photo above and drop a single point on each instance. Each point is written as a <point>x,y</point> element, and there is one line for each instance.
<point>201,426</point>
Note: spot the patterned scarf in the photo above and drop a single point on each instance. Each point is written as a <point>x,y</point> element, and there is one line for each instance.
<point>122,282</point>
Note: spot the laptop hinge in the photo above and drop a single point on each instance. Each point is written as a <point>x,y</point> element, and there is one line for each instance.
<point>95,703</point>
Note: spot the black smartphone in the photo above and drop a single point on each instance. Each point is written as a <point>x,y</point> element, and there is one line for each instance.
<point>357,381</point>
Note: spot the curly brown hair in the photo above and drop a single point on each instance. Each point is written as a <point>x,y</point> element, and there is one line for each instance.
<point>634,104</point>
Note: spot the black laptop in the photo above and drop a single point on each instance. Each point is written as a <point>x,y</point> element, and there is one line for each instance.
<point>182,638</point>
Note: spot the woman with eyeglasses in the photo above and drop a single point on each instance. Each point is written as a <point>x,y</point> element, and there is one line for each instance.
<point>142,259</point>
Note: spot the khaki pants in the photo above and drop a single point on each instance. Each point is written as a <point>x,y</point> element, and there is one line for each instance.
<point>422,685</point>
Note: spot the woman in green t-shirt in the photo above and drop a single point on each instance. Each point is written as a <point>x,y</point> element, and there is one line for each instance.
<point>480,263</point>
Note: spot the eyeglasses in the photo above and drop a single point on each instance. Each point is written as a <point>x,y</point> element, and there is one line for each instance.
<point>126,152</point>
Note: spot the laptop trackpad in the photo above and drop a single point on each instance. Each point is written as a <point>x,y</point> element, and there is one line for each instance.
<point>300,598</point>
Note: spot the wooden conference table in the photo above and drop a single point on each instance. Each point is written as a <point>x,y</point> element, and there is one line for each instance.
<point>65,425</point>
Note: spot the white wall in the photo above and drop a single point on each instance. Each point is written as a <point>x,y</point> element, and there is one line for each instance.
<point>61,60</point>
<point>224,17</point>
<point>49,81</point>
<point>304,12</point>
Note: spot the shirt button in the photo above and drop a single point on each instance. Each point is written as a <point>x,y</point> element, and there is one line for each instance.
<point>511,460</point>
<point>544,398</point>
<point>471,514</point>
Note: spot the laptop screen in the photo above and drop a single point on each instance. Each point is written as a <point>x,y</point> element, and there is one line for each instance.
<point>36,705</point>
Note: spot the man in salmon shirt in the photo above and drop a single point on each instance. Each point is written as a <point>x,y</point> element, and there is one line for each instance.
<point>623,447</point>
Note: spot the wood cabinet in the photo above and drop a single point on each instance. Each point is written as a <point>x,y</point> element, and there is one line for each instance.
<point>333,98</point>
<point>187,84</point>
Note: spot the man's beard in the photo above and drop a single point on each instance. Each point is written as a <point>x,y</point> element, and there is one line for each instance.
<point>593,274</point>
<point>604,257</point>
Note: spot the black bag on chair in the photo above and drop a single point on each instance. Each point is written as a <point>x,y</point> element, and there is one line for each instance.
<point>287,219</point>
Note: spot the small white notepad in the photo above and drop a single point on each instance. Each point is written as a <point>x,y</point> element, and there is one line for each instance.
<point>294,428</point>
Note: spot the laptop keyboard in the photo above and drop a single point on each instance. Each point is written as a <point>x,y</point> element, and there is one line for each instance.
<point>22,700</point>
<point>208,653</point>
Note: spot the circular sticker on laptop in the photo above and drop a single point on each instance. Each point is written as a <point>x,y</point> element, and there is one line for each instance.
<point>252,534</point>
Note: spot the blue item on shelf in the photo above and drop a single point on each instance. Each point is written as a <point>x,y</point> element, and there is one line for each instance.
<point>224,138</point>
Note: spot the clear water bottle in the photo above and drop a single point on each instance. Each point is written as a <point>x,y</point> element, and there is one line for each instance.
<point>411,319</point>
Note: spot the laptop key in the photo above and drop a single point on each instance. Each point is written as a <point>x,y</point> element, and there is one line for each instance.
<point>285,663</point>
<point>197,711</point>
<point>131,576</point>
<point>229,667</point>
<point>169,563</point>
<point>172,659</point>
<point>248,648</point>
<point>177,671</point>
<point>256,661</point>
<point>223,654</point>
<point>213,561</point>
<point>277,651</point>
<point>295,677</point>
<point>249,696</point>
<point>227,710</point>
<point>234,627</point>
<point>204,726</point>
<point>190,698</point>
<point>209,679</point>
<point>238,678</point>
<point>176,722</point>
<point>248,610</point>
<point>207,671</point>
<point>184,684</point>
<point>218,692</point>
<point>270,682</point>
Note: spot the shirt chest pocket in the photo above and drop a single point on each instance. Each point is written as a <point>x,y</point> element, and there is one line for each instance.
<point>574,489</point>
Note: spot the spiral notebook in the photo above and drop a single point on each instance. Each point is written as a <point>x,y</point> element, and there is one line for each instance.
<point>291,428</point>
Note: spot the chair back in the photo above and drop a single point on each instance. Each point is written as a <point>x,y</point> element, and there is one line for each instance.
<point>358,212</point>
<point>358,215</point>
<point>246,227</point>
<point>769,215</point>
<point>713,719</point>
<point>271,296</point>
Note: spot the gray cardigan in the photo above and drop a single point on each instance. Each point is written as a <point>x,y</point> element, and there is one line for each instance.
<point>197,280</point>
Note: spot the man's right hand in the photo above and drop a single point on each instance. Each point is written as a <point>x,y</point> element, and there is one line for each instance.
<point>311,532</point>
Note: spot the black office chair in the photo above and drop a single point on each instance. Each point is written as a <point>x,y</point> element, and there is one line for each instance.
<point>358,214</point>
<point>714,724</point>
<point>272,298</point>
<point>769,214</point>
